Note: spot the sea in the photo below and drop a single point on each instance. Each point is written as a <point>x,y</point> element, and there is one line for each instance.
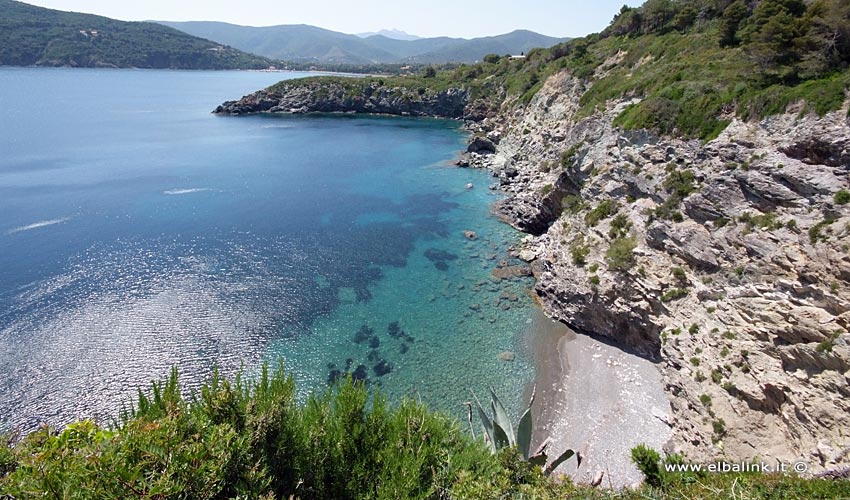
<point>140,232</point>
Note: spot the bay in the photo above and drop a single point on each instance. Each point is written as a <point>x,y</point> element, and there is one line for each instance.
<point>140,232</point>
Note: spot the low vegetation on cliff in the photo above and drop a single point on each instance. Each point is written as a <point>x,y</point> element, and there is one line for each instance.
<point>239,439</point>
<point>698,63</point>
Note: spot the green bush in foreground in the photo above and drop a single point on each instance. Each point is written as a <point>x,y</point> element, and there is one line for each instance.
<point>253,440</point>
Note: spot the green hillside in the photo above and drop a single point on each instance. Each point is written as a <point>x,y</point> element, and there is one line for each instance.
<point>695,64</point>
<point>34,36</point>
<point>309,44</point>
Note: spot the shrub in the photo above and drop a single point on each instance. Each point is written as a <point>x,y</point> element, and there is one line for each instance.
<point>680,183</point>
<point>252,440</point>
<point>648,461</point>
<point>569,155</point>
<point>579,252</point>
<point>842,197</point>
<point>602,211</point>
<point>668,210</point>
<point>719,428</point>
<point>674,294</point>
<point>828,344</point>
<point>620,255</point>
<point>515,445</point>
<point>620,226</point>
<point>716,376</point>
<point>8,463</point>
<point>816,231</point>
<point>765,221</point>
<point>572,204</point>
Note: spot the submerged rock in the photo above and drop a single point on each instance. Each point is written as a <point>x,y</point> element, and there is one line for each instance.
<point>382,368</point>
<point>334,376</point>
<point>507,356</point>
<point>511,272</point>
<point>437,255</point>
<point>440,258</point>
<point>360,374</point>
<point>363,334</point>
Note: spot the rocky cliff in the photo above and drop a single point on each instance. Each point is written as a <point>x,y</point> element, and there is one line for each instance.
<point>317,96</point>
<point>728,262</point>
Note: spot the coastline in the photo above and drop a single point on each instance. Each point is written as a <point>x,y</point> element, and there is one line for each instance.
<point>594,397</point>
<point>684,272</point>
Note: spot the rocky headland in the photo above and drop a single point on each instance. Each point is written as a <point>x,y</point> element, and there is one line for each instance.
<point>727,262</point>
<point>350,96</point>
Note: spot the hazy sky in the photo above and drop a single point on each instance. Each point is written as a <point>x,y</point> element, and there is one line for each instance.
<point>459,18</point>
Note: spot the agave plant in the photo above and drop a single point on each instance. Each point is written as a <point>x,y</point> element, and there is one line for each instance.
<point>499,434</point>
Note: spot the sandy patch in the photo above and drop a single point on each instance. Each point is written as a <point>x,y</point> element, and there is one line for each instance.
<point>597,398</point>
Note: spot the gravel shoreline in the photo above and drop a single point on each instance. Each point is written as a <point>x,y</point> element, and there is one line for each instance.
<point>597,398</point>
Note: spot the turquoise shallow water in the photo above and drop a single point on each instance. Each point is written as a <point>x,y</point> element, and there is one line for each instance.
<point>139,232</point>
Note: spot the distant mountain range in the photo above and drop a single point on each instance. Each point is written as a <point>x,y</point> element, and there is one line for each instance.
<point>35,36</point>
<point>302,43</point>
<point>394,34</point>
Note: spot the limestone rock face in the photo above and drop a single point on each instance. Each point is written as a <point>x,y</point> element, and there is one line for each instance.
<point>689,240</point>
<point>739,285</point>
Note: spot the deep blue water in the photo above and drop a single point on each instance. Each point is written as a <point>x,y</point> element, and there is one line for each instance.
<point>140,232</point>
